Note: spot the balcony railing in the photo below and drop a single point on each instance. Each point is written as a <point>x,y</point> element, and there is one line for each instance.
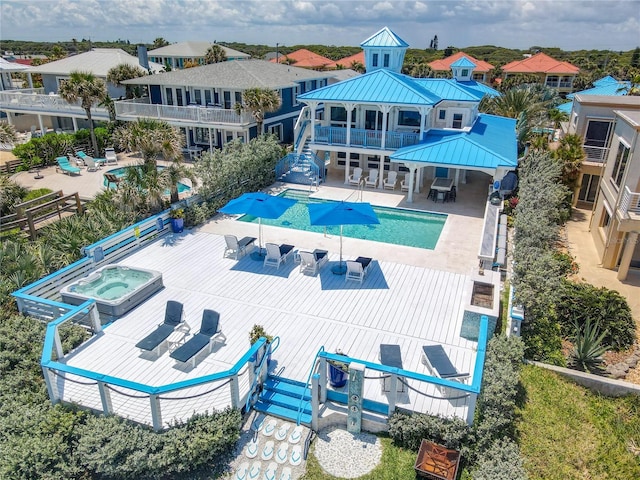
<point>630,202</point>
<point>364,138</point>
<point>596,154</point>
<point>29,102</point>
<point>137,108</point>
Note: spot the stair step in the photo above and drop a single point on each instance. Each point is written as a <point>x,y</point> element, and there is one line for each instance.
<point>286,401</point>
<point>286,387</point>
<point>282,412</point>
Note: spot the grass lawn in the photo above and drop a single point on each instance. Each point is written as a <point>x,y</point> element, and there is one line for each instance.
<point>567,432</point>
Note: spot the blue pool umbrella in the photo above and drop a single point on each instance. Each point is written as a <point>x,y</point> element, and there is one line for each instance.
<point>259,205</point>
<point>342,213</point>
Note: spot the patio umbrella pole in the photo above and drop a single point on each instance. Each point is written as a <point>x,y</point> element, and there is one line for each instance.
<point>340,270</point>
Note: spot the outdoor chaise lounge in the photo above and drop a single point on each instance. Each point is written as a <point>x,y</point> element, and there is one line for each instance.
<point>277,254</point>
<point>236,248</point>
<point>391,356</point>
<point>172,319</point>
<point>356,177</point>
<point>438,363</point>
<point>357,269</point>
<point>208,335</point>
<point>87,158</point>
<point>110,156</point>
<point>311,262</point>
<point>372,179</point>
<point>390,181</point>
<point>65,166</point>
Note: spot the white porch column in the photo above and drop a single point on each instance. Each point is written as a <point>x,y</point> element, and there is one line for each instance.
<point>349,108</point>
<point>9,118</point>
<point>424,116</point>
<point>412,172</point>
<point>29,79</point>
<point>347,167</point>
<point>42,130</point>
<point>74,120</point>
<point>313,106</point>
<point>627,255</point>
<point>210,140</point>
<point>385,109</point>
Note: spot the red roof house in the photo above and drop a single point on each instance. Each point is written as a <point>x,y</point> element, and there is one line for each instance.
<point>480,73</point>
<point>305,59</point>
<point>553,73</point>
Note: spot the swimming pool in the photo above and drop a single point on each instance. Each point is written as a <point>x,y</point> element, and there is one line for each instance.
<point>120,172</point>
<point>397,226</point>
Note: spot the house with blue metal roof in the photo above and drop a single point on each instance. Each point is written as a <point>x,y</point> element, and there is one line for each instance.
<point>388,121</point>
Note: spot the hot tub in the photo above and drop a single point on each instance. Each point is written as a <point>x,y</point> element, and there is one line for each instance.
<point>115,288</point>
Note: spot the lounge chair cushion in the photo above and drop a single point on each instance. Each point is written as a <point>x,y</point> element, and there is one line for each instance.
<point>365,262</point>
<point>155,338</point>
<point>435,357</point>
<point>187,351</point>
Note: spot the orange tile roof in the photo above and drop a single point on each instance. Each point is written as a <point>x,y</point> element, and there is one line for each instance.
<point>444,64</point>
<point>347,61</point>
<point>304,58</point>
<point>540,63</point>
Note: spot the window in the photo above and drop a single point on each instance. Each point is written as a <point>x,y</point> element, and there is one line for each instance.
<point>169,93</point>
<point>372,120</point>
<point>276,130</point>
<point>338,114</point>
<point>207,97</point>
<point>620,164</point>
<point>386,60</point>
<point>197,97</point>
<point>374,60</point>
<point>606,219</point>
<point>239,97</point>
<point>409,118</point>
<point>457,120</point>
<point>179,97</point>
<point>295,91</point>
<point>227,100</point>
<point>201,135</point>
<point>465,72</point>
<point>442,114</point>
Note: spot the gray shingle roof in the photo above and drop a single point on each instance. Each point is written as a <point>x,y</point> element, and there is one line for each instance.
<point>236,74</point>
<point>193,49</point>
<point>98,61</point>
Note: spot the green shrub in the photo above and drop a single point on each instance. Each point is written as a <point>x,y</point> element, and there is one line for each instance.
<point>33,194</point>
<point>543,340</point>
<point>198,213</point>
<point>11,194</point>
<point>588,348</point>
<point>502,461</point>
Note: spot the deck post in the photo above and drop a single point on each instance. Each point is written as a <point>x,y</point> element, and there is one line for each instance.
<point>58,343</point>
<point>323,379</point>
<point>95,318</point>
<point>393,393</point>
<point>49,381</point>
<point>156,414</point>
<point>315,401</point>
<point>251,365</point>
<point>472,408</point>
<point>105,398</point>
<point>235,391</point>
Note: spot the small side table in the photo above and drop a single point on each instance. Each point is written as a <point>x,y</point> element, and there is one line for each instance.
<point>177,338</point>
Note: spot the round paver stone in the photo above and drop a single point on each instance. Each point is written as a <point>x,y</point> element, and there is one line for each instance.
<point>347,455</point>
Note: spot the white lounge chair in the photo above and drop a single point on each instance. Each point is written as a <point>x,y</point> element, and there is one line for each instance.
<point>236,248</point>
<point>356,177</point>
<point>390,181</point>
<point>277,254</point>
<point>372,179</point>
<point>404,185</point>
<point>438,363</point>
<point>110,156</point>
<point>311,262</point>
<point>209,334</point>
<point>91,164</point>
<point>357,269</point>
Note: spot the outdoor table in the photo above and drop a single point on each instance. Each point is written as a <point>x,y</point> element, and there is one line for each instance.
<point>442,185</point>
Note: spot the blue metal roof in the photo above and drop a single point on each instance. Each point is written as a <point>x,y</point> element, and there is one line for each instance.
<point>490,144</point>
<point>604,81</point>
<point>379,86</point>
<point>605,86</point>
<point>481,88</point>
<point>565,107</point>
<point>463,62</point>
<point>449,89</point>
<point>384,38</point>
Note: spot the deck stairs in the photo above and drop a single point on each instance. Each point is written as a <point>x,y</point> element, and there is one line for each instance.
<point>281,397</point>
<point>302,168</point>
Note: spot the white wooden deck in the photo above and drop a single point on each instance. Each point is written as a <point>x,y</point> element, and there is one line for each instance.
<point>396,304</point>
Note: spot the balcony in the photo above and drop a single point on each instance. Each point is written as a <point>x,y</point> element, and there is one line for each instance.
<point>364,138</point>
<point>194,114</point>
<point>595,154</point>
<point>35,101</point>
<point>630,204</point>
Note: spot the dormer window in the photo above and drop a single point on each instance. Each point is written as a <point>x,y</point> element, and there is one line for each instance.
<point>374,60</point>
<point>465,72</point>
<point>457,121</point>
<point>386,61</point>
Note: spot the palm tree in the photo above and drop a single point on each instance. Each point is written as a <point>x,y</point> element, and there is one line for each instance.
<point>259,101</point>
<point>172,175</point>
<point>87,88</point>
<point>122,72</point>
<point>151,138</point>
<point>421,70</point>
<point>215,54</point>
<point>8,135</point>
<point>159,42</point>
<point>556,117</point>
<point>633,88</point>
<point>357,66</point>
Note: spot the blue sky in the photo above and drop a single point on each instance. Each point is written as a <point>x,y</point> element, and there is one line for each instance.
<point>568,24</point>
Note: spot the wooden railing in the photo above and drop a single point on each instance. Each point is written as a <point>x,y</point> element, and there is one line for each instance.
<point>34,214</point>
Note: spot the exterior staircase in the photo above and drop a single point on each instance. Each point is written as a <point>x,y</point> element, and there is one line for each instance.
<point>281,398</point>
<point>301,167</point>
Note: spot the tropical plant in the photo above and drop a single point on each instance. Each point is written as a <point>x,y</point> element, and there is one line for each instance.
<point>151,138</point>
<point>588,347</point>
<point>215,54</point>
<point>159,42</point>
<point>259,101</point>
<point>142,189</point>
<point>421,70</point>
<point>8,134</point>
<point>172,175</point>
<point>122,72</point>
<point>11,194</point>
<point>258,331</point>
<point>176,213</point>
<point>556,117</point>
<point>634,86</point>
<point>570,153</point>
<point>357,66</point>
<point>89,90</point>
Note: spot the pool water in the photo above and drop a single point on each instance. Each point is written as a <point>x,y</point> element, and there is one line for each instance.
<point>397,226</point>
<point>120,172</point>
<point>112,283</point>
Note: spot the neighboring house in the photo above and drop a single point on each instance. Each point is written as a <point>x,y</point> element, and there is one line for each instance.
<point>44,108</point>
<point>347,62</point>
<point>388,121</point>
<point>342,74</point>
<point>177,54</point>
<point>202,100</point>
<point>550,72</point>
<point>593,118</point>
<point>605,86</point>
<point>615,223</point>
<point>303,58</point>
<point>480,72</point>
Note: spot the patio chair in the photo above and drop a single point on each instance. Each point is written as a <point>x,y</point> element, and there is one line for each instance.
<point>437,362</point>
<point>236,248</point>
<point>356,178</point>
<point>390,182</point>
<point>404,185</point>
<point>92,165</point>
<point>65,166</point>
<point>112,179</point>
<point>391,356</point>
<point>311,262</point>
<point>208,335</point>
<point>172,319</point>
<point>372,179</point>
<point>357,269</point>
<point>277,254</point>
<point>110,156</point>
